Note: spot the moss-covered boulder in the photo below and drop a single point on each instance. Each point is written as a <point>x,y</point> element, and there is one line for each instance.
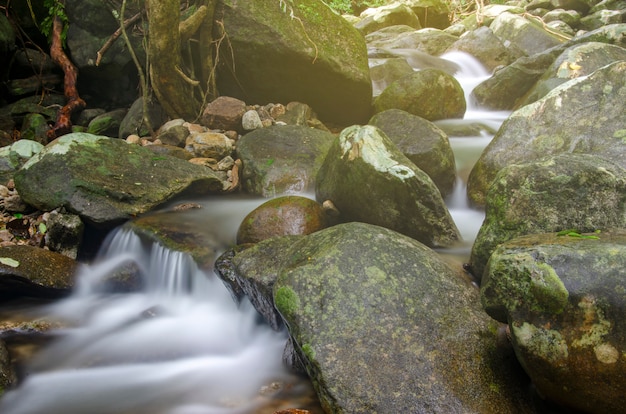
<point>584,115</point>
<point>576,61</point>
<point>107,181</point>
<point>293,51</point>
<point>569,191</point>
<point>282,216</point>
<point>368,179</point>
<point>13,156</point>
<point>425,144</point>
<point>282,159</point>
<point>525,35</point>
<point>384,325</point>
<point>564,300</point>
<point>393,14</point>
<point>430,93</point>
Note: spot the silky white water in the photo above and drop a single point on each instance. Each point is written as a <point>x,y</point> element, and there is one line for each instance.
<point>182,345</point>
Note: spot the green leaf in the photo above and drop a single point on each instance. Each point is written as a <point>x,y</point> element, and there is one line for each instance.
<point>18,215</point>
<point>9,262</point>
<point>43,228</point>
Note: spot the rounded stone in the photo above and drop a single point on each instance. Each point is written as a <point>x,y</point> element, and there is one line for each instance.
<point>288,215</point>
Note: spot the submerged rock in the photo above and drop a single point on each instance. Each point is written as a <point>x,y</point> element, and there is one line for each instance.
<point>368,179</point>
<point>563,298</point>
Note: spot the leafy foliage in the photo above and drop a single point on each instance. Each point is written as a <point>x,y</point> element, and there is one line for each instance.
<point>56,8</point>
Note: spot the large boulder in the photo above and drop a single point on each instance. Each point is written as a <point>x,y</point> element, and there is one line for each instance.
<point>430,93</point>
<point>525,36</point>
<point>431,41</point>
<point>583,115</point>
<point>368,179</point>
<point>393,14</point>
<point>302,52</point>
<point>576,61</point>
<point>282,159</point>
<point>563,298</point>
<point>485,46</point>
<point>568,191</point>
<point>106,180</point>
<point>425,144</point>
<point>383,324</point>
<point>111,77</point>
<point>432,13</point>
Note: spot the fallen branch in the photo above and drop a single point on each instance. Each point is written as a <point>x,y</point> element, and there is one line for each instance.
<point>63,123</point>
<point>115,36</point>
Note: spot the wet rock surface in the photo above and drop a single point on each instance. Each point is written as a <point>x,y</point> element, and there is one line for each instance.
<point>563,298</point>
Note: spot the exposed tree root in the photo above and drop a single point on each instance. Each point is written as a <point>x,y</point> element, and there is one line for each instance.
<point>74,103</point>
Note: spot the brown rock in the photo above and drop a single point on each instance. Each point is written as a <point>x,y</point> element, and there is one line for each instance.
<point>224,113</point>
<point>289,215</point>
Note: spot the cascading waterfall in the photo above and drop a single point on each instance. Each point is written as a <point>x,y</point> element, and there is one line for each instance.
<point>181,345</point>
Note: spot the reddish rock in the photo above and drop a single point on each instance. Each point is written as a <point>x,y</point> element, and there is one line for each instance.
<point>224,113</point>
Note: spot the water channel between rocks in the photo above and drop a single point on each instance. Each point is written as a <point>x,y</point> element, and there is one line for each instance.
<point>183,346</point>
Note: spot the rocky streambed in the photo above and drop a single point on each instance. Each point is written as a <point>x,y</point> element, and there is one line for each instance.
<point>376,318</point>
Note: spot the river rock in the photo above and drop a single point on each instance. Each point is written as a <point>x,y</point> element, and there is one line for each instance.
<point>430,93</point>
<point>563,298</point>
<point>224,113</point>
<point>209,145</point>
<point>107,124</point>
<point>34,272</point>
<point>134,122</point>
<point>431,13</point>
<point>394,331</point>
<point>327,58</point>
<point>107,181</point>
<point>282,159</point>
<point>182,230</point>
<point>282,216</point>
<point>13,156</point>
<point>64,233</point>
<point>485,46</point>
<point>388,71</point>
<point>568,191</point>
<point>525,36</point>
<point>576,61</point>
<point>252,274</point>
<point>425,144</point>
<point>583,115</point>
<point>368,179</point>
<point>430,41</point>
<point>376,18</point>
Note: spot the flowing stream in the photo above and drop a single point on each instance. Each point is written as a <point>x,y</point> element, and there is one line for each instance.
<point>182,345</point>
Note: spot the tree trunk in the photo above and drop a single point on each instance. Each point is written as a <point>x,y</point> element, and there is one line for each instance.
<point>176,92</point>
